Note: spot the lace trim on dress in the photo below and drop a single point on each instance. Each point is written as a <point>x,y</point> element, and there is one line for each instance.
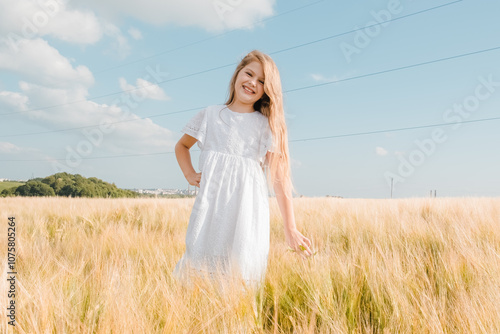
<point>196,127</point>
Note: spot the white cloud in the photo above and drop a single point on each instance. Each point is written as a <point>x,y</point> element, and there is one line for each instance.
<point>30,18</point>
<point>381,151</point>
<point>79,27</point>
<point>213,15</point>
<point>144,89</point>
<point>9,148</point>
<point>120,43</point>
<point>39,62</point>
<point>322,78</point>
<point>14,100</point>
<point>86,22</point>
<point>53,81</point>
<point>48,78</point>
<point>136,136</point>
<point>6,147</point>
<point>135,33</point>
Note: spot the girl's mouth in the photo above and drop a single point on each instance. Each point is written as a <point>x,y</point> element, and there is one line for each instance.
<point>247,90</point>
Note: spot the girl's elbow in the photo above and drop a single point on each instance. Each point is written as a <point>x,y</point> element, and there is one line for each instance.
<point>181,145</point>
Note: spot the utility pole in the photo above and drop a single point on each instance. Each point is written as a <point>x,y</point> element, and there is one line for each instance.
<point>434,192</point>
<point>392,179</point>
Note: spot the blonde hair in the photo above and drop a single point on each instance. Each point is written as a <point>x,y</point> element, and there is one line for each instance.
<point>271,106</point>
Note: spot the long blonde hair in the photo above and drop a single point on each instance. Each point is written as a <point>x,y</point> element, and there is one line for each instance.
<point>271,106</point>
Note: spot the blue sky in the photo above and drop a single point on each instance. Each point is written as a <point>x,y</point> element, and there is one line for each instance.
<point>68,65</point>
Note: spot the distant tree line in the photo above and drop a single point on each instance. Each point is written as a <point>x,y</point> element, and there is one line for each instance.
<point>70,185</point>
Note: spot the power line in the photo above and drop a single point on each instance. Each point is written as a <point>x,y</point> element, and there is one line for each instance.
<point>120,92</point>
<point>271,18</point>
<point>395,69</point>
<point>287,91</point>
<point>222,66</point>
<point>369,26</point>
<point>398,129</point>
<point>96,158</point>
<point>207,39</point>
<point>293,140</point>
<point>93,126</point>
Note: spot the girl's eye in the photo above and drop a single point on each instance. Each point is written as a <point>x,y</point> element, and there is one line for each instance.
<point>250,74</point>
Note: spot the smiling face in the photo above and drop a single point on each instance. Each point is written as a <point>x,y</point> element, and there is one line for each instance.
<point>249,85</point>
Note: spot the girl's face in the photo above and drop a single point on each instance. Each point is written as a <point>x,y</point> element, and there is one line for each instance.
<point>249,85</point>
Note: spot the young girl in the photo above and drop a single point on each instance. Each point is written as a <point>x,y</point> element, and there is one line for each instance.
<point>228,231</point>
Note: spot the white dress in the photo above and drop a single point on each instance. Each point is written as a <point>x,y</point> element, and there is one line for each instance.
<point>229,224</point>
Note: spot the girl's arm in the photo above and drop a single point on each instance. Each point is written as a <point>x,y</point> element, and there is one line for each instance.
<point>184,159</point>
<point>293,237</point>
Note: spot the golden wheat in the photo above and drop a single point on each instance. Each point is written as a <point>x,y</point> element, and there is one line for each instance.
<point>383,266</point>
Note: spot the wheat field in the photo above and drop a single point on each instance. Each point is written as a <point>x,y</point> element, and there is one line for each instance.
<point>419,265</point>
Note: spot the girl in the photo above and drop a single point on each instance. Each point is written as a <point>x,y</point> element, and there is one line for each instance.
<point>228,231</point>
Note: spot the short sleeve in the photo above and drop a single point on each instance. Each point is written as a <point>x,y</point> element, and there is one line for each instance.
<point>197,127</point>
<point>266,144</point>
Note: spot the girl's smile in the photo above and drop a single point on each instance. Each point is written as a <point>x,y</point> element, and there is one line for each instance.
<point>248,90</point>
<point>249,85</point>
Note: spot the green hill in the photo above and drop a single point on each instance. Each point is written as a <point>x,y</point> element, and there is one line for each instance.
<point>9,184</point>
<point>70,185</point>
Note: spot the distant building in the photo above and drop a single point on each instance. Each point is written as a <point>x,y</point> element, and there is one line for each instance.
<point>5,180</point>
<point>159,191</point>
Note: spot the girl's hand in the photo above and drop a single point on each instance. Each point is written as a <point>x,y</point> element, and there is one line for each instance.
<point>194,179</point>
<point>298,243</point>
